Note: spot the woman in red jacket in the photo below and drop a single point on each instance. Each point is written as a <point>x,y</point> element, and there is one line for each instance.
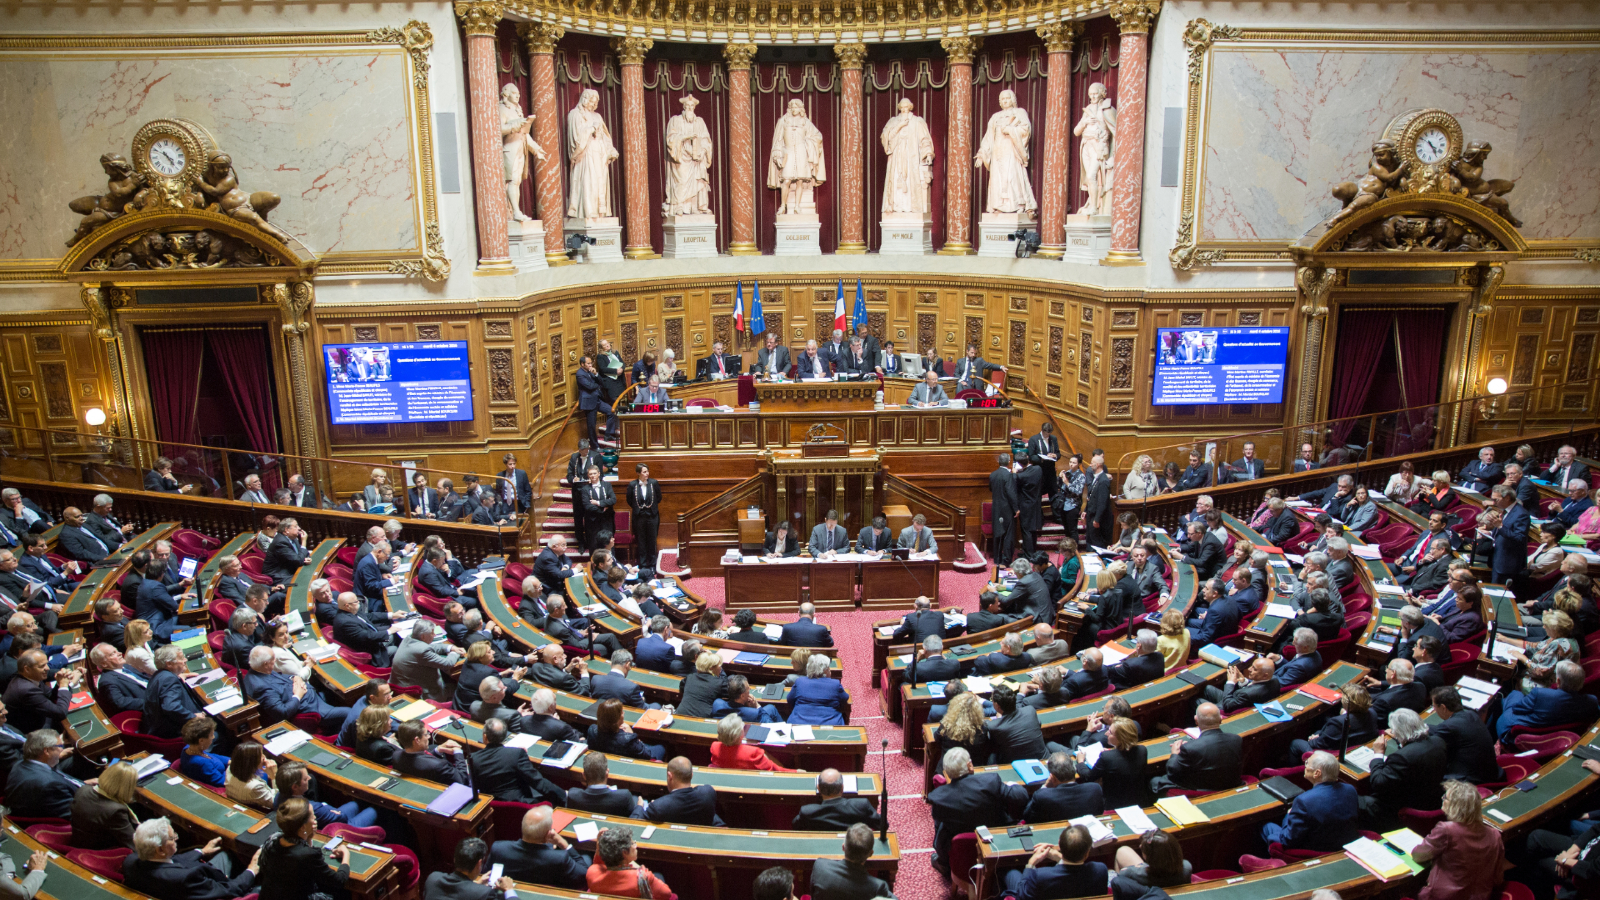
<point>731,752</point>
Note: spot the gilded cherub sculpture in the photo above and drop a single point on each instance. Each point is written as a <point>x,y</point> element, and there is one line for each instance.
<point>1469,169</point>
<point>1383,175</point>
<point>220,186</point>
<point>122,185</point>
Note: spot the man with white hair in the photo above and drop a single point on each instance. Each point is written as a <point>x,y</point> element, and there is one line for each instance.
<point>812,364</point>
<point>1322,818</point>
<point>1410,774</point>
<point>1332,497</point>
<point>123,679</point>
<point>1307,662</point>
<point>1341,570</point>
<point>156,869</point>
<point>1030,595</point>
<point>1010,658</point>
<point>169,702</point>
<point>1577,503</point>
<point>1398,690</point>
<point>283,697</point>
<point>1543,707</point>
<point>20,515</point>
<point>417,663</point>
<point>1566,469</point>
<point>551,566</point>
<point>1046,646</point>
<point>541,720</point>
<point>107,526</point>
<point>371,579</point>
<point>1091,678</point>
<point>353,628</point>
<point>967,800</point>
<point>1146,663</point>
<point>1202,505</point>
<point>252,491</point>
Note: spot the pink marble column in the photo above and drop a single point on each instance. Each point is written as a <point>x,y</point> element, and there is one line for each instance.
<point>479,19</point>
<point>635,147</point>
<point>958,165</point>
<point>852,206</point>
<point>542,38</point>
<point>741,149</point>
<point>1134,18</point>
<point>1058,40</point>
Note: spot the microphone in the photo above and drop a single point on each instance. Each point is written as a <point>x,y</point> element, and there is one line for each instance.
<point>1344,739</point>
<point>883,795</point>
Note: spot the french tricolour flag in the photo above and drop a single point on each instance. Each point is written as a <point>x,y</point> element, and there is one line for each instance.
<point>738,308</point>
<point>838,307</point>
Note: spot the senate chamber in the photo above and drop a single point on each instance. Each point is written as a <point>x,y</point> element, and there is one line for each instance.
<point>790,450</point>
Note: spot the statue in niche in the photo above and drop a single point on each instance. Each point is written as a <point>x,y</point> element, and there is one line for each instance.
<point>1383,177</point>
<point>220,186</point>
<point>591,151</point>
<point>795,167</point>
<point>1097,128</point>
<point>688,163</point>
<point>910,148</point>
<point>122,185</point>
<point>516,145</point>
<point>1004,152</point>
<point>1469,170</point>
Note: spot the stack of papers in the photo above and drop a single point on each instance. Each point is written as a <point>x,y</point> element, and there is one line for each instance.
<point>287,742</point>
<point>1181,811</point>
<point>1135,819</point>
<point>224,700</point>
<point>1475,694</point>
<point>885,630</point>
<point>1281,610</point>
<point>150,765</point>
<point>1365,551</point>
<point>1097,829</point>
<point>1091,753</point>
<point>802,733</point>
<point>978,685</point>
<point>1111,654</point>
<point>322,652</point>
<point>1362,758</point>
<point>775,632</point>
<point>521,741</point>
<point>1377,859</point>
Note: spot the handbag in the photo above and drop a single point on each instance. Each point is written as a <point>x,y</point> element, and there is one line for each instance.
<point>644,883</point>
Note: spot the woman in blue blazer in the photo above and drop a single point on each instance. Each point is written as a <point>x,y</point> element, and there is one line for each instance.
<point>817,699</point>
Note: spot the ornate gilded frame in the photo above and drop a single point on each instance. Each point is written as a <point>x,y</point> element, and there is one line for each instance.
<point>1200,38</point>
<point>414,41</point>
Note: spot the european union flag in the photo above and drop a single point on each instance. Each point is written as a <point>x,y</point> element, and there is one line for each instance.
<point>757,323</point>
<point>860,314</point>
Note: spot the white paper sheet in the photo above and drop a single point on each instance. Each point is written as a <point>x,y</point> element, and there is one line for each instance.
<point>1097,829</point>
<point>1135,819</point>
<point>1281,610</point>
<point>1091,753</point>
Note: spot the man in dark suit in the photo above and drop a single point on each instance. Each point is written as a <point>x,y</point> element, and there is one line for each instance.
<point>1413,627</point>
<point>168,702</point>
<point>286,554</point>
<point>848,878</point>
<point>1527,493</point>
<point>77,541</point>
<point>1307,662</point>
<point>1003,510</point>
<point>875,538</point>
<point>1307,460</point>
<point>1203,551</point>
<point>922,622</point>
<point>11,744</point>
<point>832,351</point>
<point>466,881</point>
<point>1097,507</point>
<point>1333,496</point>
<point>615,684</point>
<point>543,723</point>
<point>1063,871</point>
<point>1195,475</point>
<point>812,364</point>
<point>160,480</point>
<point>772,359</point>
<point>20,515</point>
<point>299,494</point>
<point>829,536</point>
<point>644,500</point>
<point>1466,737</point>
<point>967,800</point>
<point>1324,817</point>
<point>929,663</point>
<point>805,632</point>
<point>591,400</point>
<point>988,615</point>
<point>1432,571</point>
<point>105,525</point>
<point>598,796</point>
<point>972,371</point>
<point>1090,679</point>
<point>1281,525</point>
<point>1544,707</point>
<point>156,868</point>
<point>652,652</point>
<point>1243,689</point>
<point>370,580</point>
<point>35,564</point>
<point>1247,467</point>
<point>542,856</point>
<point>836,812</point>
<point>1030,512</point>
<point>1220,619</point>
<point>684,803</point>
<point>1399,690</point>
<point>122,683</point>
<point>1146,663</point>
<point>551,567</point>
<point>1045,451</point>
<point>32,704</point>
<point>1062,797</point>
<point>1483,472</point>
<point>858,362</point>
<point>283,696</point>
<point>514,485</point>
<point>595,502</point>
<point>1511,538</point>
<point>1011,657</point>
<point>424,500</point>
<point>1576,504</point>
<point>1211,762</point>
<point>1030,596</point>
<point>356,631</point>
<point>1409,776</point>
<point>1015,734</point>
<point>507,772</point>
<point>1565,469</point>
<point>445,764</point>
<point>718,365</point>
<point>35,784</point>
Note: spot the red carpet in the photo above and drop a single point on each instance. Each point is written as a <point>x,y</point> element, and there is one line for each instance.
<point>909,817</point>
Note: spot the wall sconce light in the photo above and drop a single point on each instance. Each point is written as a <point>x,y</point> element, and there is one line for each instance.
<point>1495,387</point>
<point>95,416</point>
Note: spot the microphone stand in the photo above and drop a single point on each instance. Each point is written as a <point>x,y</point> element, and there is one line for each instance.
<point>883,796</point>
<point>1344,739</point>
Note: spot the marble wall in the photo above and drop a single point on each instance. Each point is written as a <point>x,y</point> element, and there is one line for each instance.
<point>328,129</point>
<point>1285,123</point>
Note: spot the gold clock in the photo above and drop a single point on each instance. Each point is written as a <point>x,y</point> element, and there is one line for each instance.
<point>1426,138</point>
<point>171,150</point>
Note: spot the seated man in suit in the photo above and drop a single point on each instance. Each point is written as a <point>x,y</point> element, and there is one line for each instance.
<point>805,632</point>
<point>35,564</point>
<point>1432,571</point>
<point>507,773</point>
<point>829,537</point>
<point>929,663</point>
<point>1414,626</point>
<point>156,869</point>
<point>1011,657</point>
<point>843,879</point>
<point>33,702</point>
<point>922,622</point>
<point>1146,663</point>
<point>77,541</point>
<point>1398,690</point>
<point>286,554</point>
<point>20,515</point>
<point>1202,550</point>
<point>34,783</point>
<point>1466,737</point>
<point>417,663</point>
<point>875,538</point>
<point>573,630</point>
<point>812,364</point>
<point>742,703</point>
<point>1220,618</point>
<point>928,393</point>
<point>972,371</point>
<point>918,538</point>
<point>371,581</point>
<point>1248,467</point>
<point>240,638</point>
<point>1409,776</point>
<point>555,671</point>
<point>684,803</point>
<point>614,685</point>
<point>445,764</point>
<point>858,361</point>
<point>1063,871</point>
<point>282,696</point>
<point>1244,688</point>
<point>1305,665</point>
<point>652,652</point>
<point>598,796</point>
<point>967,800</point>
<point>1015,734</point>
<point>542,722</point>
<point>160,480</point>
<point>1543,707</point>
<point>1577,503</point>
<point>1090,679</point>
<point>169,702</point>
<point>835,811</point>
<point>1046,646</point>
<point>434,576</point>
<point>104,524</point>
<point>988,615</point>
<point>1483,472</point>
<point>1211,762</point>
<point>718,365</point>
<point>356,631</point>
<point>772,360</point>
<point>542,855</point>
<point>1324,817</point>
<point>123,680</point>
<point>1062,796</point>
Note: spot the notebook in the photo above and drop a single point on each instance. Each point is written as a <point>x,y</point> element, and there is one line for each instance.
<point>1282,788</point>
<point>451,800</point>
<point>1181,811</point>
<point>1031,771</point>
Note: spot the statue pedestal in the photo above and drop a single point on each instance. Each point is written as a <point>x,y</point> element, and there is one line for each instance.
<point>799,234</point>
<point>607,234</point>
<point>1088,239</point>
<point>906,234</point>
<point>995,229</point>
<point>527,245</point>
<point>689,237</point>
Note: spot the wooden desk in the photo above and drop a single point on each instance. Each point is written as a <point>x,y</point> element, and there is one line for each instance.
<point>891,583</point>
<point>815,396</point>
<point>79,608</point>
<point>752,528</point>
<point>765,587</point>
<point>64,879</point>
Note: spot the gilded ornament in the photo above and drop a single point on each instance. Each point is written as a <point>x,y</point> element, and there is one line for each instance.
<point>416,38</point>
<point>541,37</point>
<point>1134,16</point>
<point>1587,254</point>
<point>1315,283</point>
<point>1198,36</point>
<point>433,266</point>
<point>631,50</point>
<point>961,50</point>
<point>480,18</point>
<point>1059,37</point>
<point>1489,279</point>
<point>1185,253</point>
<point>850,56</point>
<point>739,56</point>
<point>1469,172</point>
<point>122,185</point>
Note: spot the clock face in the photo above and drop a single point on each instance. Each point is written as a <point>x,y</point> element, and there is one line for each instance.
<point>1432,145</point>
<point>167,157</point>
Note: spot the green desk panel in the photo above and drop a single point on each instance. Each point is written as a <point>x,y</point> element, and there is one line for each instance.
<point>60,882</point>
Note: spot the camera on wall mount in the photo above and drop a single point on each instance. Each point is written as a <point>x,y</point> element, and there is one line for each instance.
<point>1027,242</point>
<point>577,242</point>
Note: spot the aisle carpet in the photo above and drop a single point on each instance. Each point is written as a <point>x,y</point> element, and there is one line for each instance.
<point>909,816</point>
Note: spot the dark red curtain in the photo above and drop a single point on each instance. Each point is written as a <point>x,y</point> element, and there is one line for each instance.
<point>585,61</point>
<point>816,85</point>
<point>172,361</point>
<point>920,78</point>
<point>1017,63</point>
<point>1362,336</point>
<point>1422,337</point>
<point>242,363</point>
<point>1094,59</point>
<point>666,82</point>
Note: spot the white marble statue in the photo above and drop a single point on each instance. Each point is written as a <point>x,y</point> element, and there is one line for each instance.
<point>591,152</point>
<point>910,148</point>
<point>1005,152</point>
<point>1097,128</point>
<point>514,129</point>
<point>688,163</point>
<point>795,167</point>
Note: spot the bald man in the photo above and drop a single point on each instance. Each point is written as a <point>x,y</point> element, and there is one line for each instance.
<point>1214,761</point>
<point>542,856</point>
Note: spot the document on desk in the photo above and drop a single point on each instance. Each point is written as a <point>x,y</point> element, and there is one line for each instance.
<point>1281,610</point>
<point>1135,819</point>
<point>287,742</point>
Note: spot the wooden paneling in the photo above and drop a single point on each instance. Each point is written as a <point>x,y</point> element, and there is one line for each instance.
<point>1537,341</point>
<point>54,370</point>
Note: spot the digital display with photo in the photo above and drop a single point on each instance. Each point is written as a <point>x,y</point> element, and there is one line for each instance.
<point>392,383</point>
<point>1219,365</point>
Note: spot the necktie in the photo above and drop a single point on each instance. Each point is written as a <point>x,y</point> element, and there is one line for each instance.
<point>1420,548</point>
<point>6,536</point>
<point>424,495</point>
<point>721,370</point>
<point>95,539</point>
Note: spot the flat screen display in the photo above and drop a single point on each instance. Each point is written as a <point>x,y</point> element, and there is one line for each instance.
<point>1220,365</point>
<point>391,383</point>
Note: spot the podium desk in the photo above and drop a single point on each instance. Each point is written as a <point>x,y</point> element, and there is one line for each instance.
<point>770,586</point>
